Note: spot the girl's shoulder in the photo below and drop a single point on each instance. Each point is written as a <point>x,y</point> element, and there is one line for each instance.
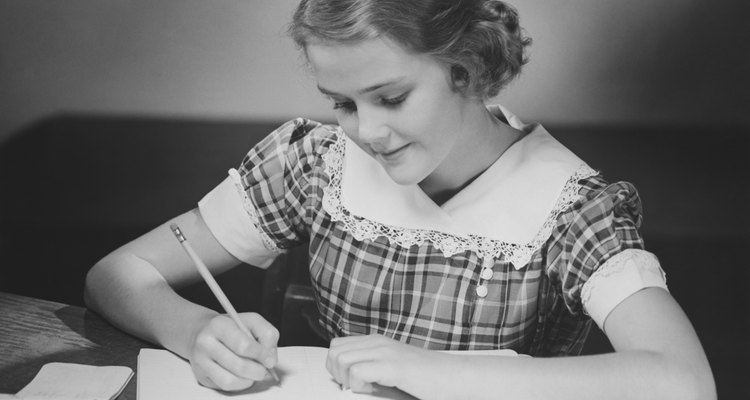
<point>602,205</point>
<point>300,143</point>
<point>305,133</point>
<point>596,193</point>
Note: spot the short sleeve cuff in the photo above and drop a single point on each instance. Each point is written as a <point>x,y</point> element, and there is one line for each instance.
<point>232,220</point>
<point>619,277</point>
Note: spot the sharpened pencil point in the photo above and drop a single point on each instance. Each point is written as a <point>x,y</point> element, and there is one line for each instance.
<point>274,375</point>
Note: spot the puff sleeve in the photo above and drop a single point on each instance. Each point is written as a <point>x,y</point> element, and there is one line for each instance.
<point>601,259</point>
<point>260,208</point>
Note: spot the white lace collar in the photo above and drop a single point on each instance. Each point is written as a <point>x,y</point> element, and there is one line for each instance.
<point>510,209</point>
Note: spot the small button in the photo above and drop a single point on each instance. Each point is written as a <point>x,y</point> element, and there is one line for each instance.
<point>486,274</point>
<point>488,262</point>
<point>482,291</point>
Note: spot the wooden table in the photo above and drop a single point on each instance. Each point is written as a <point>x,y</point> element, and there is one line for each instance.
<point>34,332</point>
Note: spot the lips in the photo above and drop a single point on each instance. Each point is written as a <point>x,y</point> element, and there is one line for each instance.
<point>392,155</point>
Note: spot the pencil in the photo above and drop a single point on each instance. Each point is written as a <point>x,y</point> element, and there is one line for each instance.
<point>203,270</point>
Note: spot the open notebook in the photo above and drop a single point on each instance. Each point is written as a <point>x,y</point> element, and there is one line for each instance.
<point>163,375</point>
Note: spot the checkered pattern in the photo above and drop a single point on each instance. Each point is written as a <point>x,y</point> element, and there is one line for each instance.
<point>416,294</point>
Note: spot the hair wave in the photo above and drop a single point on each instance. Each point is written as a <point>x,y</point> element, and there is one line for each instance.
<point>480,41</point>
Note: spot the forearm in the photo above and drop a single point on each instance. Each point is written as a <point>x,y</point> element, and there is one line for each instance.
<point>132,295</point>
<point>624,375</point>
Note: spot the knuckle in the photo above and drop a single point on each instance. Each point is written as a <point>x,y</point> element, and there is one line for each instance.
<point>203,340</point>
<point>216,322</point>
<point>254,317</point>
<point>338,358</point>
<point>273,333</point>
<point>270,333</point>
<point>243,347</point>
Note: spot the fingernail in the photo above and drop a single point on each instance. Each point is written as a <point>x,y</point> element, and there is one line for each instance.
<point>268,362</point>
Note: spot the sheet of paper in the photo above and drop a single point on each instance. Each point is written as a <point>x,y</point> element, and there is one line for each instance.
<point>65,381</point>
<point>163,375</point>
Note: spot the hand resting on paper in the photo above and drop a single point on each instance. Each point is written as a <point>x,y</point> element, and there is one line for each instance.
<point>358,362</point>
<point>223,357</point>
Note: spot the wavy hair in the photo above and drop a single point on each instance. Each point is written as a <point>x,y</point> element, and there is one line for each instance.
<point>480,41</point>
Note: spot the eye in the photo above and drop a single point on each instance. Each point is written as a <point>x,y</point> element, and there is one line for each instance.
<point>393,101</point>
<point>347,107</point>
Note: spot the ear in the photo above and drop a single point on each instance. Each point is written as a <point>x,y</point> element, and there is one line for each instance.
<point>459,78</point>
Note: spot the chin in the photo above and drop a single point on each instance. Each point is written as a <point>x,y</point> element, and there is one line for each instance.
<point>405,177</point>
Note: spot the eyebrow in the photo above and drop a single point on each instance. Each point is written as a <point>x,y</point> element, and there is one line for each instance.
<point>365,90</point>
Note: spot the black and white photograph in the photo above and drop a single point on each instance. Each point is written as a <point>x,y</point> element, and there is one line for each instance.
<point>374,199</point>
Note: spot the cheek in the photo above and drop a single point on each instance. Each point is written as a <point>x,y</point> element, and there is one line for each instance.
<point>438,114</point>
<point>350,128</point>
<point>349,125</point>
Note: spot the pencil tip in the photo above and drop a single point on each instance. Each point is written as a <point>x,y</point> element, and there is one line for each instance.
<point>274,375</point>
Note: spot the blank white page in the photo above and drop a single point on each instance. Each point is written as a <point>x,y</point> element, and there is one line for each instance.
<point>162,376</point>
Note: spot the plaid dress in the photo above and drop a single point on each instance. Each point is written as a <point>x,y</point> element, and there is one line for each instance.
<point>409,289</point>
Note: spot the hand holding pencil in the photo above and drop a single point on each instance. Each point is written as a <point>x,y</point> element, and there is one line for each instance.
<point>231,312</point>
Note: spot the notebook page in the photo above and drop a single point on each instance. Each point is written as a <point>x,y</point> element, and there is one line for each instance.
<point>302,371</point>
<point>163,375</point>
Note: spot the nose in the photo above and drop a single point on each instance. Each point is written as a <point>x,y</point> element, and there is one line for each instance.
<point>372,128</point>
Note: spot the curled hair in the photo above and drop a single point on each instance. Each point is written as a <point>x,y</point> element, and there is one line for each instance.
<point>480,41</point>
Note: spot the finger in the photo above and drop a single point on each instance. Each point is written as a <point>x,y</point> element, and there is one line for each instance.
<point>204,380</point>
<point>363,375</point>
<point>343,345</point>
<point>222,379</point>
<point>338,363</point>
<point>240,366</point>
<point>265,334</point>
<point>263,331</point>
<point>230,335</point>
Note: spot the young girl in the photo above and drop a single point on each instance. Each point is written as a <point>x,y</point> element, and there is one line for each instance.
<point>433,222</point>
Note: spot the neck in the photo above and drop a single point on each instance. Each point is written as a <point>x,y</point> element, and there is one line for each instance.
<point>483,140</point>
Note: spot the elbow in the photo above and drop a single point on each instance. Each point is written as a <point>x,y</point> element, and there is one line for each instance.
<point>696,383</point>
<point>92,287</point>
<point>699,389</point>
<point>704,387</point>
<point>88,288</point>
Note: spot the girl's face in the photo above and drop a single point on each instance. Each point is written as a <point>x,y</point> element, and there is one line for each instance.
<point>397,106</point>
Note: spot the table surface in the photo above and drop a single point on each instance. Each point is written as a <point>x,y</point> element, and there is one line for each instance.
<point>34,332</point>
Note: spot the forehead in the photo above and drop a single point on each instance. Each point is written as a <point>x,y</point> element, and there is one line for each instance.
<point>343,68</point>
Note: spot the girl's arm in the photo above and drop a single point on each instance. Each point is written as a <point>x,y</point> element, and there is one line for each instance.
<point>132,288</point>
<point>657,356</point>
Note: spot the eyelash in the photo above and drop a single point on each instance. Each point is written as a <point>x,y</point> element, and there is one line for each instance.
<point>349,107</point>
